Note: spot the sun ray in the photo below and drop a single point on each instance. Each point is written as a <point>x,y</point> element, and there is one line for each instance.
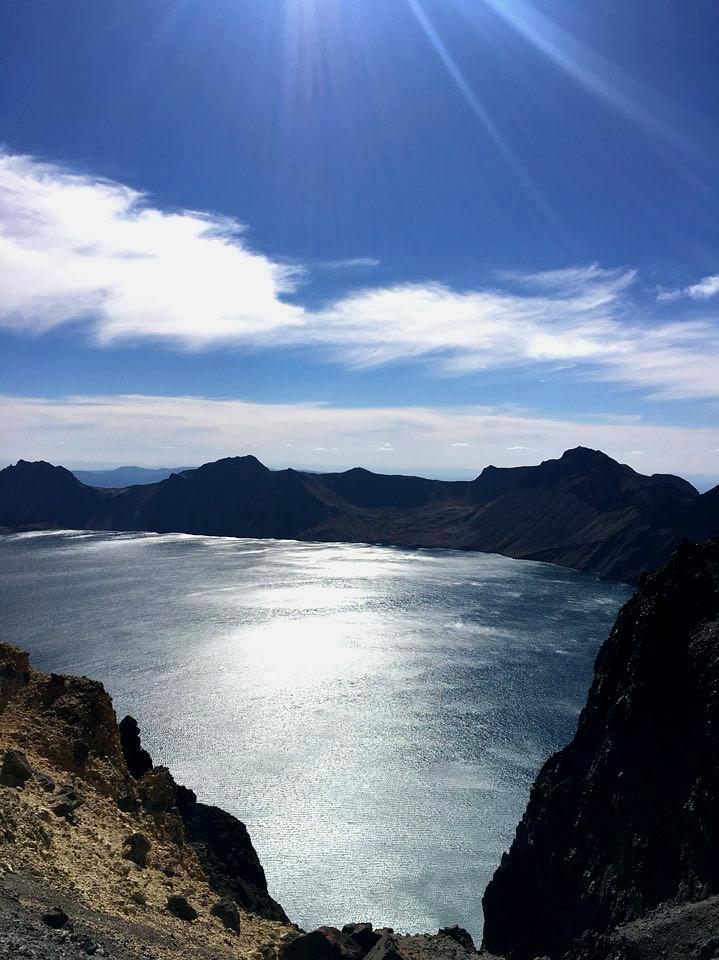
<point>477,108</point>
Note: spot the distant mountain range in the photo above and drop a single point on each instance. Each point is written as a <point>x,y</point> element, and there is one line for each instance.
<point>583,511</point>
<point>125,476</point>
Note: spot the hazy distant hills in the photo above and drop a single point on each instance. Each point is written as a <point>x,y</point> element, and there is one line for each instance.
<point>584,510</point>
<point>125,476</point>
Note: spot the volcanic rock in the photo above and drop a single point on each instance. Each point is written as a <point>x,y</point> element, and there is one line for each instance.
<point>626,817</point>
<point>137,847</point>
<point>179,907</point>
<point>228,914</point>
<point>14,770</point>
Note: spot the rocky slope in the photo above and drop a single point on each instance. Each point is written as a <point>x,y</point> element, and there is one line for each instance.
<point>584,510</point>
<point>102,853</point>
<point>616,856</point>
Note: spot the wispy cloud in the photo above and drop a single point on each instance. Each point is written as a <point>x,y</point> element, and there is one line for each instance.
<point>704,289</point>
<point>351,263</point>
<point>135,429</point>
<point>84,250</point>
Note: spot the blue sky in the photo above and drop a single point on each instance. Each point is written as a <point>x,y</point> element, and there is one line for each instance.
<point>411,234</point>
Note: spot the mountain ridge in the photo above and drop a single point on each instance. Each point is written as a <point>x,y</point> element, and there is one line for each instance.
<point>583,510</point>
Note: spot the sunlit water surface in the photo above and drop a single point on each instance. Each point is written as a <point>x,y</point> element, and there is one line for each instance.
<point>375,715</point>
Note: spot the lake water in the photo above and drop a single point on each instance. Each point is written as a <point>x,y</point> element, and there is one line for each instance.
<point>375,715</point>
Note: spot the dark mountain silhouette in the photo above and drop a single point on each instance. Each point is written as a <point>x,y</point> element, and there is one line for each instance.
<point>39,494</point>
<point>583,510</point>
<point>234,497</point>
<point>626,817</point>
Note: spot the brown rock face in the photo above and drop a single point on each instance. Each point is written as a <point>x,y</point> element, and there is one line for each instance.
<point>627,816</point>
<point>158,790</point>
<point>70,723</point>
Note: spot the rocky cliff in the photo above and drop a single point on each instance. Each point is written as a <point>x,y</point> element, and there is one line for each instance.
<point>103,854</point>
<point>584,510</point>
<point>87,821</point>
<point>616,855</point>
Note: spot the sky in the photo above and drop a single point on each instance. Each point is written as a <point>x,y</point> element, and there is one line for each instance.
<point>412,235</point>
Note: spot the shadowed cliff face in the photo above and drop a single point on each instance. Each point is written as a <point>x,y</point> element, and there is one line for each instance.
<point>626,817</point>
<point>583,511</point>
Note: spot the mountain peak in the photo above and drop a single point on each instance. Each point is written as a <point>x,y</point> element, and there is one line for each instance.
<point>41,469</point>
<point>245,465</point>
<point>586,455</point>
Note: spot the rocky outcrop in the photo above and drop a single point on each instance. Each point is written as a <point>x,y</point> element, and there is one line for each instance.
<point>220,841</point>
<point>224,849</point>
<point>71,724</point>
<point>626,817</point>
<point>138,760</point>
<point>583,510</point>
<point>87,821</point>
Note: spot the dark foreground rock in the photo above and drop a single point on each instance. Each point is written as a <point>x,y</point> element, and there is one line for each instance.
<point>220,841</point>
<point>224,849</point>
<point>626,817</point>
<point>14,769</point>
<point>179,907</point>
<point>227,913</point>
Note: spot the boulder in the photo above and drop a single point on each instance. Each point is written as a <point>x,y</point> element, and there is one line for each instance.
<point>179,907</point>
<point>362,934</point>
<point>348,948</point>
<point>227,913</point>
<point>55,918</point>
<point>128,803</point>
<point>309,946</point>
<point>80,751</point>
<point>68,799</point>
<point>14,770</point>
<point>137,847</point>
<point>46,782</point>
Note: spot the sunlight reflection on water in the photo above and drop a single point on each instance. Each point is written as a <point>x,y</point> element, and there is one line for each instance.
<point>375,715</point>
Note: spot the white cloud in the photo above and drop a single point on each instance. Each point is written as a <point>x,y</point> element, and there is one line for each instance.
<point>77,248</point>
<point>74,247</point>
<point>136,429</point>
<point>351,263</point>
<point>704,289</point>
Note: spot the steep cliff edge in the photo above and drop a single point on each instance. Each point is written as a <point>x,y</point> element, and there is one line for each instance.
<point>103,854</point>
<point>87,822</point>
<point>626,817</point>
